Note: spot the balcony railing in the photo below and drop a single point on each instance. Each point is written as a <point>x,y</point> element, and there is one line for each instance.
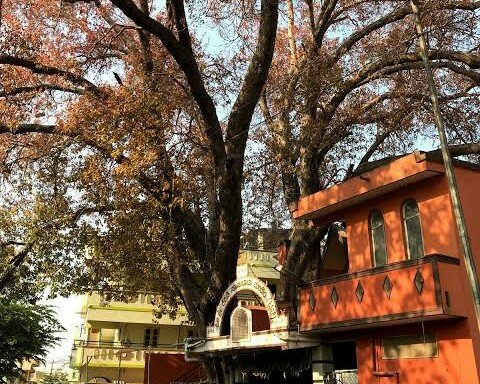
<point>411,290</point>
<point>101,353</point>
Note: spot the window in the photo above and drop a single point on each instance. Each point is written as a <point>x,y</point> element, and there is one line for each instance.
<point>413,229</point>
<point>411,346</point>
<point>377,233</point>
<point>150,337</point>
<point>107,335</point>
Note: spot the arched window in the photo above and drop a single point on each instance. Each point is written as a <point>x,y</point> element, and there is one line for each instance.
<point>413,229</point>
<point>377,233</point>
<point>241,324</point>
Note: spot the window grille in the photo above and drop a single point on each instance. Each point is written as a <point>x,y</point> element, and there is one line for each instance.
<point>150,337</point>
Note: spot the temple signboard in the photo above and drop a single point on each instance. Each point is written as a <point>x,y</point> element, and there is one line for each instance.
<point>261,290</point>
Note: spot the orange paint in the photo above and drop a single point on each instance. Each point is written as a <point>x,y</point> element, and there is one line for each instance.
<point>403,303</point>
<point>445,305</point>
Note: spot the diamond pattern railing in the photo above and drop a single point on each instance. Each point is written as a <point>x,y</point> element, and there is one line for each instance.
<point>409,289</point>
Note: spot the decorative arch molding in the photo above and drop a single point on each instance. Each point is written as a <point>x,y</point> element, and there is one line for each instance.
<point>261,290</point>
<point>99,379</point>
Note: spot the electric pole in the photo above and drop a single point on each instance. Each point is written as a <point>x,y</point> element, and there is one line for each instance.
<point>447,160</point>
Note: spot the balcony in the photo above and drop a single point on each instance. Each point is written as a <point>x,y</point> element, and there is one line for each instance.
<point>138,308</point>
<point>115,354</point>
<point>429,288</point>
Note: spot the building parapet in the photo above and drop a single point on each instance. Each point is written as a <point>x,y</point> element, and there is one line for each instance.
<point>407,291</point>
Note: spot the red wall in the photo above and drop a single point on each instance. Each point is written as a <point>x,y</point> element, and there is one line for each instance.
<point>454,364</point>
<point>404,297</point>
<point>165,368</point>
<point>469,186</point>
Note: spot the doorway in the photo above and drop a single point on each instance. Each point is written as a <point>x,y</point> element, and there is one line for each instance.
<point>276,367</point>
<point>345,362</point>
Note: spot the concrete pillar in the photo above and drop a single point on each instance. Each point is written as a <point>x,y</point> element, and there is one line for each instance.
<point>322,363</point>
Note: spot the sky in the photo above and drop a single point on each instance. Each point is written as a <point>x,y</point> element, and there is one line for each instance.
<point>67,314</point>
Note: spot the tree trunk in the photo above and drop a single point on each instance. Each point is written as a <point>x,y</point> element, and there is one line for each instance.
<point>304,247</point>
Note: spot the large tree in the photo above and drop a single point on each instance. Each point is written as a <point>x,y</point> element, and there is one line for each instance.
<point>125,134</point>
<point>114,150</point>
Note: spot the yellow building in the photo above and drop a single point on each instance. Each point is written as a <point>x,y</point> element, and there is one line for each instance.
<point>116,336</point>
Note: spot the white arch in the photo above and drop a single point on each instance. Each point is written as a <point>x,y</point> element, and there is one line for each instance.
<point>262,292</point>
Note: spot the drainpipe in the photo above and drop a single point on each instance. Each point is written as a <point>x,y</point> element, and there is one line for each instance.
<point>447,160</point>
<point>374,352</point>
<point>119,366</point>
<point>149,356</point>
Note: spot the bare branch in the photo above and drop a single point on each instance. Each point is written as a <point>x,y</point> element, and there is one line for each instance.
<point>48,70</point>
<point>41,87</point>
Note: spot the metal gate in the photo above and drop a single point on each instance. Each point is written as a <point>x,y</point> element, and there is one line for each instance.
<point>346,376</point>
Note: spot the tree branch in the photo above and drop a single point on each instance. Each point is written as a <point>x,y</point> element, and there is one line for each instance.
<point>41,87</point>
<point>17,260</point>
<point>379,139</point>
<point>188,64</point>
<point>48,70</point>
<point>323,21</point>
<point>389,65</point>
<point>192,224</point>
<point>181,25</point>
<point>395,15</point>
<point>23,129</point>
<point>254,80</point>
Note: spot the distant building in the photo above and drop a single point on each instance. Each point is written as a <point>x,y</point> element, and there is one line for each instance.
<point>27,371</point>
<point>386,301</point>
<point>117,339</point>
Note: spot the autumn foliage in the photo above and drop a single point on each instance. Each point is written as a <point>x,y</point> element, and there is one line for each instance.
<point>130,130</point>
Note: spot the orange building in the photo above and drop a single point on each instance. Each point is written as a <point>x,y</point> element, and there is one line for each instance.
<point>401,310</point>
<point>386,302</point>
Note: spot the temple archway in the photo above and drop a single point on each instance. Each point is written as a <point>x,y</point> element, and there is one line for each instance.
<point>261,291</point>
